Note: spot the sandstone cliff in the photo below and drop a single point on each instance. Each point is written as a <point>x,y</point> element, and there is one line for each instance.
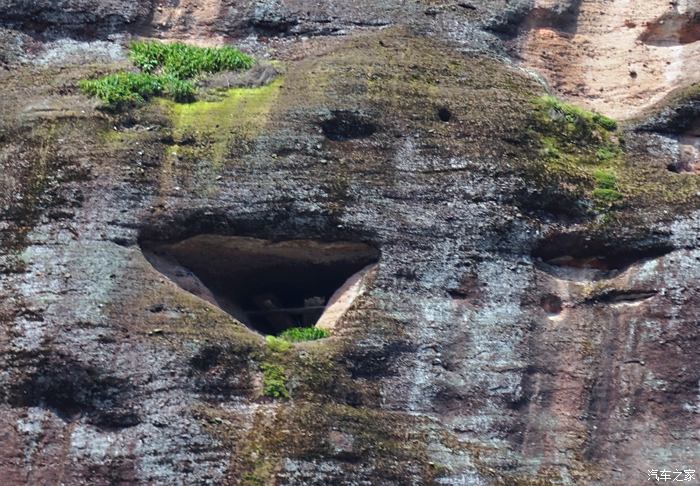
<point>527,300</point>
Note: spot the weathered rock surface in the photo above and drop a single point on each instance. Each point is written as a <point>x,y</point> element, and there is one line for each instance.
<point>616,57</point>
<point>516,330</point>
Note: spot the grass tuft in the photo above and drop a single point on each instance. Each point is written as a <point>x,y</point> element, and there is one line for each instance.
<point>123,88</point>
<point>605,154</point>
<point>606,196</point>
<point>282,343</point>
<point>608,123</point>
<point>167,70</point>
<point>605,191</point>
<point>299,334</point>
<point>605,179</point>
<point>184,61</point>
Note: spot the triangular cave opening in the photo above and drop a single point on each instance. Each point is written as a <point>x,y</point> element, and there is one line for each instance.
<point>269,286</point>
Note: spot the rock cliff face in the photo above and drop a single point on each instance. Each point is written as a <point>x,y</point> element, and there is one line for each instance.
<point>618,57</point>
<point>532,315</point>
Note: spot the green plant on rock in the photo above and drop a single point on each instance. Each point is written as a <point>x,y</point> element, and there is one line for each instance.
<point>608,123</point>
<point>184,61</point>
<point>274,381</point>
<point>605,192</point>
<point>299,334</point>
<point>606,196</point>
<point>605,154</point>
<point>605,179</point>
<point>577,154</point>
<point>572,136</point>
<point>550,149</point>
<point>178,89</point>
<point>575,114</point>
<point>167,70</point>
<point>123,88</point>
<point>276,344</point>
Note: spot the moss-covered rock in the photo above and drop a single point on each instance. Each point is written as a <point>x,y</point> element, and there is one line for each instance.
<point>208,134</point>
<point>448,369</point>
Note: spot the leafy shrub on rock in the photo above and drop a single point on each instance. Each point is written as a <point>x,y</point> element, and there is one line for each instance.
<point>167,70</point>
<point>184,61</point>
<point>123,88</point>
<point>299,334</point>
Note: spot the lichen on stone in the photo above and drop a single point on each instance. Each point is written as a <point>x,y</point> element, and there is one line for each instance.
<point>209,133</point>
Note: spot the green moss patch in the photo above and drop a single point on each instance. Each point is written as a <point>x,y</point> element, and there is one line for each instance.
<point>576,115</point>
<point>274,381</point>
<point>393,445</point>
<point>237,111</point>
<point>606,189</point>
<point>207,134</point>
<point>605,179</point>
<point>277,345</point>
<point>575,160</point>
<point>571,137</point>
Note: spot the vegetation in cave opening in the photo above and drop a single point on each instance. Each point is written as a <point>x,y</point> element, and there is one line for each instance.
<point>282,342</point>
<point>300,334</point>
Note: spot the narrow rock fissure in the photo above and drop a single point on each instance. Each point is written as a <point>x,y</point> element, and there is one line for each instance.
<point>616,296</point>
<point>269,286</point>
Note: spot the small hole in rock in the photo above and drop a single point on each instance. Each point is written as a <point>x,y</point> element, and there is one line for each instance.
<point>551,304</point>
<point>269,286</point>
<point>347,125</point>
<point>156,308</point>
<point>677,168</point>
<point>444,114</point>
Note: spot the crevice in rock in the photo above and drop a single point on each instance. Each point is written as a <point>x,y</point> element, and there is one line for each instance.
<point>270,17</point>
<point>347,125</point>
<point>688,160</point>
<point>684,167</point>
<point>522,17</point>
<point>677,115</point>
<point>577,257</point>
<point>676,168</point>
<point>618,296</point>
<point>269,286</point>
<point>220,370</point>
<point>374,360</point>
